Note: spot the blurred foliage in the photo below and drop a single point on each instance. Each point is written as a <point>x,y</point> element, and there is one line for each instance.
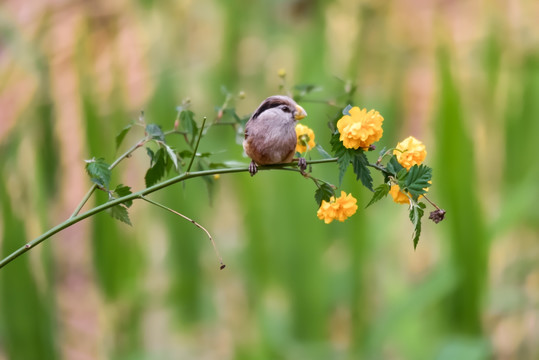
<point>461,76</point>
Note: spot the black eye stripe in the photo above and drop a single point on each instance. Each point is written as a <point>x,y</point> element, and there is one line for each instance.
<point>270,104</point>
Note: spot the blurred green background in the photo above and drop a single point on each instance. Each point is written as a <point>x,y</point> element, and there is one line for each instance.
<point>462,76</point>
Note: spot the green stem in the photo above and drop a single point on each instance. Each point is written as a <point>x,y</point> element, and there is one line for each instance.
<point>75,219</point>
<point>112,166</point>
<point>196,146</point>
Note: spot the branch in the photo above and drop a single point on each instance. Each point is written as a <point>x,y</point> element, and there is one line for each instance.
<point>79,217</point>
<point>112,166</point>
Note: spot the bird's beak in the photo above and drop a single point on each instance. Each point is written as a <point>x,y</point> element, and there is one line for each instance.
<point>300,113</point>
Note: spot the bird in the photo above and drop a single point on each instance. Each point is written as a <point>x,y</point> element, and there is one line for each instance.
<point>270,133</point>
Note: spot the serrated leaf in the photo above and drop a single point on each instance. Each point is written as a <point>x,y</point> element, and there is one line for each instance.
<point>359,163</point>
<point>119,212</point>
<point>172,156</point>
<point>416,213</point>
<point>380,192</point>
<point>121,135</point>
<point>157,170</point>
<point>324,192</point>
<point>99,172</point>
<point>346,110</point>
<point>343,161</point>
<point>393,166</point>
<point>402,174</point>
<point>342,154</point>
<point>121,191</point>
<point>322,152</point>
<point>417,180</point>
<point>154,132</point>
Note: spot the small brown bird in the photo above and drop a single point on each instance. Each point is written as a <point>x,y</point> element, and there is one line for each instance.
<point>270,133</point>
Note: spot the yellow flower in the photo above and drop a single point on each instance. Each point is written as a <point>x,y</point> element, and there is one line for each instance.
<point>337,209</point>
<point>305,138</point>
<point>412,152</point>
<point>360,129</point>
<point>281,72</point>
<point>398,196</point>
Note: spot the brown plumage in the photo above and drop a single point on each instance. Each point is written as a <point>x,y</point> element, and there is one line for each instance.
<point>270,134</point>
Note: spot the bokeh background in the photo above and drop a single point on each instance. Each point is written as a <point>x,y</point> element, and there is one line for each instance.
<point>462,76</point>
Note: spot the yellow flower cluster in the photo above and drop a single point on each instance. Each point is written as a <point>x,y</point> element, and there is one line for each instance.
<point>410,152</point>
<point>360,129</point>
<point>340,208</point>
<point>305,138</point>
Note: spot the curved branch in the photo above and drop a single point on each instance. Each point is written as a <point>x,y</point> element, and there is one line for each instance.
<point>137,195</point>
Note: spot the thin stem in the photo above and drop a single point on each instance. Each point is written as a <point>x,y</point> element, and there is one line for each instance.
<point>84,200</point>
<point>112,166</point>
<point>433,204</point>
<point>196,146</point>
<point>75,219</point>
<point>222,265</point>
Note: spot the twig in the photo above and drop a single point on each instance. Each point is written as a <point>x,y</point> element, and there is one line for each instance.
<point>112,166</point>
<point>222,265</point>
<point>196,145</point>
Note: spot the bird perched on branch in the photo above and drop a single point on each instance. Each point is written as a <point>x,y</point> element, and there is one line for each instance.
<point>270,133</point>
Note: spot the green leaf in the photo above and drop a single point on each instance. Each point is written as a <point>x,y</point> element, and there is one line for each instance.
<point>402,174</point>
<point>172,156</point>
<point>151,154</point>
<point>120,137</point>
<point>99,172</point>
<point>417,180</point>
<point>157,170</point>
<point>346,110</point>
<point>342,154</point>
<point>154,132</point>
<point>121,191</point>
<point>322,152</point>
<point>380,192</point>
<point>187,121</point>
<point>324,192</point>
<point>119,212</point>
<point>393,166</point>
<point>359,163</point>
<point>416,213</point>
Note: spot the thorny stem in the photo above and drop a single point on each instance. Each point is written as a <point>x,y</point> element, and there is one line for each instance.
<point>137,195</point>
<point>222,265</point>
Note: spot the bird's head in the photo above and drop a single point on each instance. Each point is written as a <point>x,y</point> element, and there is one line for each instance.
<point>281,103</point>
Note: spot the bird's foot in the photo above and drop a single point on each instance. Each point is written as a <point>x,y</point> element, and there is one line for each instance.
<point>253,169</point>
<point>302,164</point>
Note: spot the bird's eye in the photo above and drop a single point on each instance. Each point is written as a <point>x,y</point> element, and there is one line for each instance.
<point>285,108</point>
